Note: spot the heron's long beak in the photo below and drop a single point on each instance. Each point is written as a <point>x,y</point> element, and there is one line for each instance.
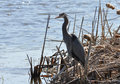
<point>57,17</point>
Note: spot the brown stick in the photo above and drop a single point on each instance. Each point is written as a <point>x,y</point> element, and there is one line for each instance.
<point>93,30</point>
<point>55,40</point>
<point>61,56</point>
<point>97,25</point>
<point>30,62</point>
<point>74,24</point>
<point>95,17</point>
<point>109,27</point>
<point>81,27</point>
<point>68,26</point>
<point>117,29</point>
<point>86,60</point>
<point>82,37</point>
<point>93,24</point>
<point>44,39</point>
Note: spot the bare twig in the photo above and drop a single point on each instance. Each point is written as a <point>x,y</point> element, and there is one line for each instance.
<point>87,58</point>
<point>93,23</point>
<point>61,56</point>
<point>117,29</point>
<point>82,37</point>
<point>97,23</point>
<point>81,27</point>
<point>44,39</point>
<point>74,24</point>
<point>30,62</point>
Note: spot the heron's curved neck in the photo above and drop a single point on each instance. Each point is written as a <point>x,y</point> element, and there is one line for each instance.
<point>64,27</point>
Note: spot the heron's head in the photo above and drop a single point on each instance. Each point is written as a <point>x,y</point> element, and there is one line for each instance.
<point>61,15</point>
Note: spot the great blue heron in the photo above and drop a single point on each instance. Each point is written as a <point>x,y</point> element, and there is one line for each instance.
<point>74,47</point>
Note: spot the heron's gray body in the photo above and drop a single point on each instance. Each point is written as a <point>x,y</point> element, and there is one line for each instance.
<point>74,47</point>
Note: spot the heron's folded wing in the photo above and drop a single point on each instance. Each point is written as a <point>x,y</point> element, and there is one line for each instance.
<point>78,49</point>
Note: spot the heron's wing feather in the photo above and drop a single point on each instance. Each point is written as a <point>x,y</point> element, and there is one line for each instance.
<point>77,50</point>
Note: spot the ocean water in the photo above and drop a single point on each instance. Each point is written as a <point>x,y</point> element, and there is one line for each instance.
<point>22,29</point>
